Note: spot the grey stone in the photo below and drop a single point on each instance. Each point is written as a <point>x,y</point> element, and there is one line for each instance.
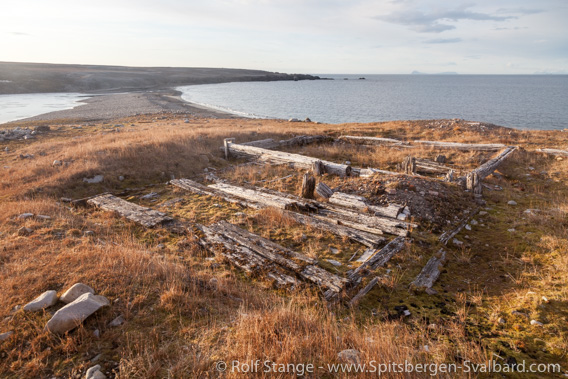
<point>5,336</point>
<point>76,290</point>
<point>334,262</point>
<point>512,202</point>
<point>96,333</point>
<point>116,322</point>
<point>482,213</point>
<point>94,180</point>
<point>457,242</point>
<point>73,314</point>
<point>151,195</point>
<point>46,299</point>
<point>24,216</point>
<point>56,163</point>
<point>121,178</point>
<point>23,231</point>
<point>43,217</point>
<point>95,373</point>
<point>351,356</point>
<point>536,323</point>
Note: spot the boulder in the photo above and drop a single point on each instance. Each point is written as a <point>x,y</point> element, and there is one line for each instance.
<point>78,289</point>
<point>72,315</point>
<point>46,299</point>
<point>95,373</point>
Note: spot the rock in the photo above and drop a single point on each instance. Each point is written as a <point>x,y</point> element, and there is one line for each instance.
<point>5,336</point>
<point>307,119</point>
<point>94,180</point>
<point>473,222</point>
<point>351,356</point>
<point>76,291</point>
<point>431,291</point>
<point>203,158</point>
<point>390,191</point>
<point>482,213</point>
<point>95,373</point>
<point>89,233</point>
<point>56,163</point>
<point>151,195</point>
<point>96,333</point>
<point>501,320</point>
<point>512,202</point>
<point>213,282</point>
<point>457,242</point>
<point>545,299</point>
<point>96,358</point>
<point>45,300</point>
<point>120,178</point>
<point>468,227</point>
<point>24,216</point>
<point>43,217</point>
<point>334,262</point>
<point>347,163</point>
<point>73,314</point>
<point>536,323</point>
<point>293,120</point>
<point>512,230</point>
<point>334,250</point>
<point>23,231</point>
<point>116,322</point>
<point>42,128</point>
<point>434,193</point>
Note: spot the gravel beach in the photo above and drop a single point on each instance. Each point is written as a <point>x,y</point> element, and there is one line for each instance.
<point>114,106</point>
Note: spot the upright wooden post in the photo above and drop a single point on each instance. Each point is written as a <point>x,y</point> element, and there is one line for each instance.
<point>473,183</point>
<point>409,165</point>
<point>226,143</point>
<point>308,186</point>
<point>317,168</point>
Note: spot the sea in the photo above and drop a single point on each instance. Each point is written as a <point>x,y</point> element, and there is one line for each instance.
<point>517,101</point>
<point>17,107</point>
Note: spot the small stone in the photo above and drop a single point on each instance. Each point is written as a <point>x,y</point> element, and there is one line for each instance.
<point>349,356</point>
<point>95,373</point>
<point>73,314</point>
<point>77,290</point>
<point>512,230</point>
<point>501,321</point>
<point>457,242</point>
<point>482,213</point>
<point>96,358</point>
<point>88,233</point>
<point>5,336</point>
<point>431,291</point>
<point>348,163</point>
<point>24,216</point>
<point>434,193</point>
<point>512,202</point>
<point>468,227</point>
<point>23,231</point>
<point>96,333</point>
<point>45,300</point>
<point>160,246</point>
<point>293,120</point>
<point>116,322</point>
<point>390,191</point>
<point>334,250</point>
<point>517,313</point>
<point>43,217</point>
<point>56,163</point>
<point>120,178</point>
<point>536,323</point>
<point>94,180</point>
<point>151,195</point>
<point>473,222</point>
<point>545,299</point>
<point>334,262</point>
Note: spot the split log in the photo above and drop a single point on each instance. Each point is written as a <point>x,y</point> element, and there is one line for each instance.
<point>429,166</point>
<point>308,186</point>
<point>563,153</point>
<point>409,165</point>
<point>364,291</point>
<point>317,168</point>
<point>449,234</point>
<point>141,215</point>
<point>268,143</point>
<point>269,200</point>
<point>200,189</point>
<point>323,190</point>
<point>473,183</point>
<point>303,140</point>
<point>488,167</point>
<point>278,157</point>
<point>379,258</point>
<point>431,271</point>
<point>461,146</point>
<point>360,203</point>
<point>373,140</point>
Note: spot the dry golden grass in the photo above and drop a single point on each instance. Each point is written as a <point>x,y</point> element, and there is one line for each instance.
<point>184,312</point>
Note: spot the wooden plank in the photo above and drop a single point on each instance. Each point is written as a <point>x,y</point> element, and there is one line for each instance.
<point>323,190</point>
<point>268,143</point>
<point>360,203</point>
<point>373,140</point>
<point>461,146</point>
<point>379,258</point>
<point>559,152</point>
<point>488,167</point>
<point>200,189</point>
<point>141,215</point>
<point>431,271</point>
<point>269,200</point>
<point>364,291</point>
<point>278,157</point>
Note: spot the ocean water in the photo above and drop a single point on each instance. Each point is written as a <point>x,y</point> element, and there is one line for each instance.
<point>518,101</point>
<point>17,107</point>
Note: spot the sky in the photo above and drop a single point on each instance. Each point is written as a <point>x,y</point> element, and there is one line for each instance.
<point>294,36</point>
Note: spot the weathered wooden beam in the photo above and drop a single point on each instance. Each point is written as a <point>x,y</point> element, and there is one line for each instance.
<point>379,258</point>
<point>141,215</point>
<point>268,143</point>
<point>563,153</point>
<point>303,140</point>
<point>360,203</point>
<point>372,140</point>
<point>278,157</point>
<point>431,271</point>
<point>461,146</point>
<point>308,186</point>
<point>488,167</point>
<point>473,183</point>
<point>200,189</point>
<point>429,166</point>
<point>368,172</point>
<point>365,290</point>
<point>409,165</point>
<point>323,190</point>
<point>253,195</point>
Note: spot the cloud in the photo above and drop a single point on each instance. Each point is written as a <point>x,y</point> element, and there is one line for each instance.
<point>523,11</point>
<point>436,21</point>
<point>19,34</point>
<point>443,40</point>
<point>514,28</point>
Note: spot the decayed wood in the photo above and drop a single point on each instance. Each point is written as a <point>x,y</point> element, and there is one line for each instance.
<point>379,258</point>
<point>409,165</point>
<point>461,146</point>
<point>141,215</point>
<point>368,172</point>
<point>368,239</point>
<point>200,189</point>
<point>323,190</point>
<point>372,140</point>
<point>269,200</point>
<point>236,239</point>
<point>317,168</point>
<point>278,157</point>
<point>268,143</point>
<point>226,143</point>
<point>473,183</point>
<point>426,165</point>
<point>488,167</point>
<point>431,271</point>
<point>449,234</point>
<point>449,176</point>
<point>563,153</point>
<point>308,186</point>
<point>440,158</point>
<point>359,202</point>
<point>303,140</point>
<point>364,291</point>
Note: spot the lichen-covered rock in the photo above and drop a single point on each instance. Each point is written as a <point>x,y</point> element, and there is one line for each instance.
<point>46,299</point>
<point>72,315</point>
